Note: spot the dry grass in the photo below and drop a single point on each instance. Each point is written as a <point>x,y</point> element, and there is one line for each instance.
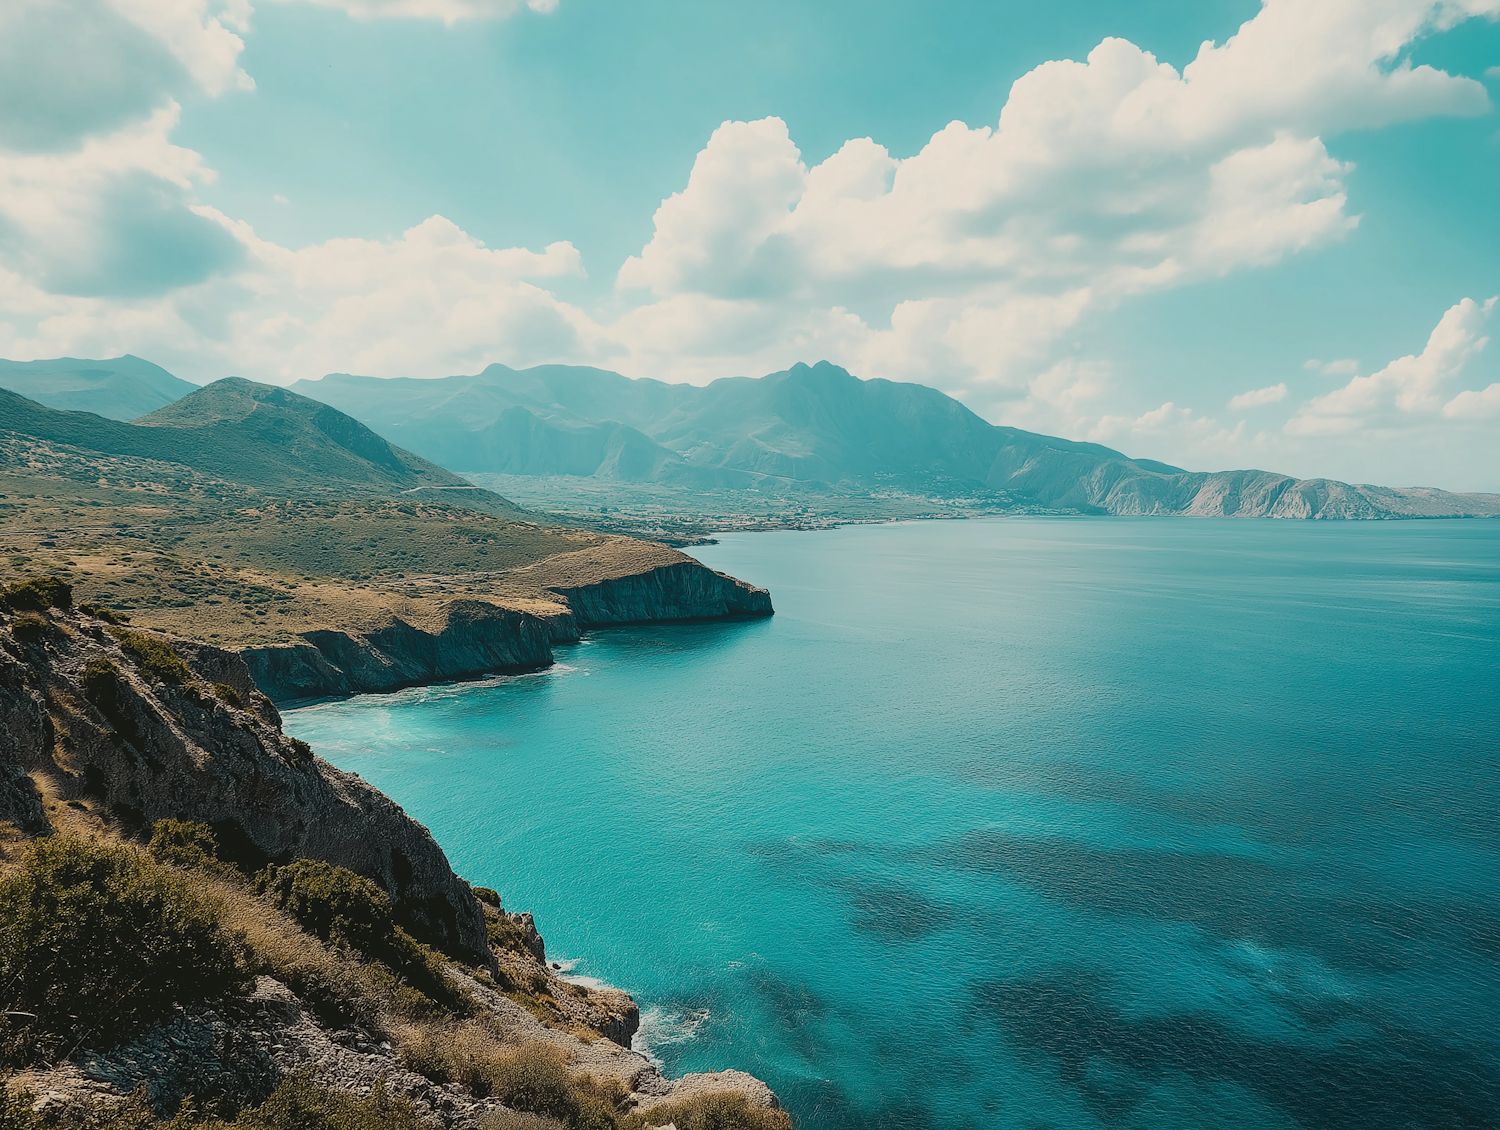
<point>726,1111</point>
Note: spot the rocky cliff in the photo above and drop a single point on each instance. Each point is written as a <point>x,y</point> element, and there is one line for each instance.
<point>512,628</point>
<point>154,727</point>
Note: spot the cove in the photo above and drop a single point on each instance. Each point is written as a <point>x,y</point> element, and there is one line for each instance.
<point>1018,822</point>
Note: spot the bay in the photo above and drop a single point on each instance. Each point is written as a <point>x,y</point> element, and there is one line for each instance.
<point>1018,822</point>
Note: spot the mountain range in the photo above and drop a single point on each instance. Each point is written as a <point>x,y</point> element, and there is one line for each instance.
<point>808,427</point>
<point>121,388</point>
<point>256,436</point>
<point>816,424</point>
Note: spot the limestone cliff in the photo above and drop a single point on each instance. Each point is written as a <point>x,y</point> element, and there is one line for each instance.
<point>155,727</point>
<point>474,637</point>
<point>510,623</point>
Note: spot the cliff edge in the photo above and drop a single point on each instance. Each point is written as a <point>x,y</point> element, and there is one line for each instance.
<point>467,625</point>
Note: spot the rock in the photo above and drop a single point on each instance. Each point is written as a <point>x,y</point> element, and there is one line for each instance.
<point>150,749</point>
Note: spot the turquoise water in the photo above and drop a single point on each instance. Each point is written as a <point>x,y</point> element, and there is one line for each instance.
<point>1019,823</point>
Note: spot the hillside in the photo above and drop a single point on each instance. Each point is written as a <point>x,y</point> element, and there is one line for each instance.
<point>820,429</point>
<point>194,906</point>
<point>269,524</point>
<point>256,436</point>
<point>120,388</point>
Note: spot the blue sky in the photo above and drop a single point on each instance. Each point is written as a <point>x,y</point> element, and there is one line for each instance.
<point>1279,255</point>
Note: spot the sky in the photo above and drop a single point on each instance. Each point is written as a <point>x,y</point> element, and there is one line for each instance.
<point>1219,234</point>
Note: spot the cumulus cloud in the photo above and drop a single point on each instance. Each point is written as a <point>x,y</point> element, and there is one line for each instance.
<point>449,11</point>
<point>1411,387</point>
<point>1102,179</point>
<point>432,302</point>
<point>1345,367</point>
<point>1258,398</point>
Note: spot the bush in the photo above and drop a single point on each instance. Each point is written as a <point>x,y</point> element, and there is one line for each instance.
<point>155,658</point>
<point>96,941</point>
<point>38,594</point>
<point>227,694</point>
<point>29,628</point>
<point>108,615</point>
<point>723,1111</point>
<point>300,1104</point>
<point>516,1120</point>
<point>302,753</point>
<point>185,843</point>
<point>15,1110</point>
<point>487,895</point>
<point>297,1104</point>
<point>343,908</point>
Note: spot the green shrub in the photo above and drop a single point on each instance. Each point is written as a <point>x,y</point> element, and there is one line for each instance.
<point>347,909</point>
<point>29,628</point>
<point>723,1111</point>
<point>39,594</point>
<point>300,1104</point>
<point>155,658</point>
<point>227,694</point>
<point>487,895</point>
<point>184,843</point>
<point>516,1120</point>
<point>96,941</point>
<point>302,753</point>
<point>108,615</point>
<point>15,1110</point>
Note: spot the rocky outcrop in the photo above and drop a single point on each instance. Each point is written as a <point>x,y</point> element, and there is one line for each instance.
<point>625,581</point>
<point>474,638</point>
<point>94,711</point>
<point>681,591</point>
<point>622,581</point>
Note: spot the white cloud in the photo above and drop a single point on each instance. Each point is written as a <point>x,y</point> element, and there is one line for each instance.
<point>1102,179</point>
<point>1483,404</point>
<point>433,302</point>
<point>1410,387</point>
<point>1346,367</point>
<point>1257,398</point>
<point>449,11</point>
<point>201,35</point>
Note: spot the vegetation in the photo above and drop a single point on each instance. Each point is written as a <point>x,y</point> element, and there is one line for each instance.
<point>29,628</point>
<point>155,657</point>
<point>228,695</point>
<point>297,1104</point>
<point>97,940</point>
<point>39,594</point>
<point>345,909</point>
<point>710,1112</point>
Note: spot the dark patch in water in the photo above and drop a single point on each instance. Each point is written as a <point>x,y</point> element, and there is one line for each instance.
<point>1232,897</point>
<point>1392,1078</point>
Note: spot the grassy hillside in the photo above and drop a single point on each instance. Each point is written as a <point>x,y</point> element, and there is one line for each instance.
<point>246,515</point>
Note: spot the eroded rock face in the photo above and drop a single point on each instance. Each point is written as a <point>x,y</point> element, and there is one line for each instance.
<point>476,638</point>
<point>682,590</point>
<point>620,582</point>
<point>84,714</point>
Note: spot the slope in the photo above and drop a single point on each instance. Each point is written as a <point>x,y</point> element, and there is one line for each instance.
<point>256,436</point>
<point>817,430</point>
<point>120,388</point>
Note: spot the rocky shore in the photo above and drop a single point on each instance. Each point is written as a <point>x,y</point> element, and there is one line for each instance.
<point>505,623</point>
<point>107,729</point>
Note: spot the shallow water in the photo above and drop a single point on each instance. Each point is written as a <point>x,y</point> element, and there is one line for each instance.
<point>1019,822</point>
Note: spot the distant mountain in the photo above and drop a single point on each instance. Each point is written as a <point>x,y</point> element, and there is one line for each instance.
<point>257,436</point>
<point>121,388</point>
<point>815,424</point>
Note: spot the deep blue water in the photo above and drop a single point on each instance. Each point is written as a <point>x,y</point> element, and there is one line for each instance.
<point>1019,822</point>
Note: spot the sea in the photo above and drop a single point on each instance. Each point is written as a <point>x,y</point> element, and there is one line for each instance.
<point>1018,822</point>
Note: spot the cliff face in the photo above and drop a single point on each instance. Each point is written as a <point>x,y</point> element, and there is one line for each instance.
<point>93,711</point>
<point>683,590</point>
<point>621,582</point>
<point>475,638</point>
